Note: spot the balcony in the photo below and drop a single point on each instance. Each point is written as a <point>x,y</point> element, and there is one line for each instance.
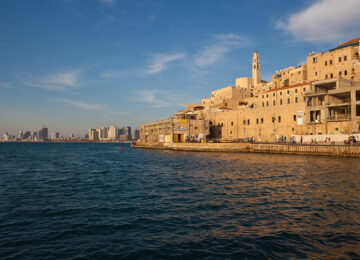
<point>339,117</point>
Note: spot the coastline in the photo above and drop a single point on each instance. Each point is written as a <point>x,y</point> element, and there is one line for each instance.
<point>275,148</point>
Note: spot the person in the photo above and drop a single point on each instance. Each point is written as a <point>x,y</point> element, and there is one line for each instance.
<point>285,139</point>
<point>282,139</point>
<point>301,139</point>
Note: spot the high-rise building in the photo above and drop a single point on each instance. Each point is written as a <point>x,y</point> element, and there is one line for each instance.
<point>93,135</point>
<point>21,134</point>
<point>43,134</point>
<point>137,134</point>
<point>113,132</point>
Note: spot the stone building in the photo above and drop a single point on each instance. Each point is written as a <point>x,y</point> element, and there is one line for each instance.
<point>319,97</point>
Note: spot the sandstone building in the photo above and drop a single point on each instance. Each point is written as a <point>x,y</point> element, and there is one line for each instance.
<point>321,97</point>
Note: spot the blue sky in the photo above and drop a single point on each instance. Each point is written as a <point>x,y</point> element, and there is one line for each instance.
<point>72,65</point>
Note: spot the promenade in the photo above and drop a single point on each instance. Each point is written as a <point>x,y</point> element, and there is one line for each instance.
<point>279,148</point>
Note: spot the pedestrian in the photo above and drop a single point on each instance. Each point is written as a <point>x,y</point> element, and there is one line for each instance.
<point>285,139</point>
<point>282,139</point>
<point>301,140</point>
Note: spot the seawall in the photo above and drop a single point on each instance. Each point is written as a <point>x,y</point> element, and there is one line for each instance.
<point>328,150</point>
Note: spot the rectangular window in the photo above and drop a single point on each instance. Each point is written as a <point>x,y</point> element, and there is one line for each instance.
<point>274,94</point>
<point>288,91</point>
<point>288,100</point>
<point>262,104</point>
<point>296,99</point>
<point>267,95</point>
<point>279,119</point>
<point>330,62</point>
<point>232,123</point>
<point>280,93</point>
<point>314,59</point>
<point>274,103</point>
<point>340,73</point>
<point>325,63</point>
<point>345,72</point>
<point>262,120</point>
<point>339,59</point>
<point>280,101</point>
<point>267,103</point>
<point>248,121</point>
<point>294,117</point>
<point>345,58</point>
<point>257,121</point>
<point>331,75</point>
<point>304,89</point>
<point>296,90</point>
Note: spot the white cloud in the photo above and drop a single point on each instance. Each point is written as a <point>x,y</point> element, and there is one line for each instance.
<point>5,84</point>
<point>160,62</point>
<point>57,82</point>
<point>79,104</point>
<point>212,54</point>
<point>324,20</point>
<point>161,98</point>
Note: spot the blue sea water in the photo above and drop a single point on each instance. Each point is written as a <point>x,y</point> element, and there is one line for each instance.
<point>63,200</point>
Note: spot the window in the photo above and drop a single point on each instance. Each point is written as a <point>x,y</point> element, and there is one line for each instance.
<point>288,100</point>
<point>262,96</point>
<point>294,117</point>
<point>330,62</point>
<point>267,103</point>
<point>280,93</point>
<point>279,119</point>
<point>257,121</point>
<point>345,58</point>
<point>331,75</point>
<point>326,76</point>
<point>232,123</point>
<point>195,127</point>
<point>274,94</point>
<point>325,63</point>
<point>296,90</point>
<point>280,101</point>
<point>262,120</point>
<point>222,125</point>
<point>274,103</point>
<point>267,95</point>
<point>244,122</point>
<point>296,99</point>
<point>230,132</point>
<point>339,59</point>
<point>262,104</point>
<point>248,121</point>
<point>304,89</point>
<point>345,72</point>
<point>315,73</point>
<point>314,59</point>
<point>340,73</point>
<point>288,92</point>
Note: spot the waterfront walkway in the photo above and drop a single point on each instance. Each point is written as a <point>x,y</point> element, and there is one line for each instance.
<point>285,148</point>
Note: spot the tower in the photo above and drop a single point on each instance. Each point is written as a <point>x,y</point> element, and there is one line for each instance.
<point>256,74</point>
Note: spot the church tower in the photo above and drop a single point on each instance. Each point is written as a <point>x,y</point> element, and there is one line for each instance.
<point>256,74</point>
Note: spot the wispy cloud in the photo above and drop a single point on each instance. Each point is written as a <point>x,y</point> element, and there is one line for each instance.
<point>161,98</point>
<point>324,21</point>
<point>4,84</point>
<point>213,53</point>
<point>57,82</point>
<point>161,62</point>
<point>87,106</point>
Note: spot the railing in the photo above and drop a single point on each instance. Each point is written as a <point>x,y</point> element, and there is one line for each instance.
<point>339,117</point>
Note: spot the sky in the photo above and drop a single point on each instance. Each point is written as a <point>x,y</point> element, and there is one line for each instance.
<point>71,65</point>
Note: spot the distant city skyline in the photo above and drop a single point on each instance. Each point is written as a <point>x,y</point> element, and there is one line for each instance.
<point>72,65</point>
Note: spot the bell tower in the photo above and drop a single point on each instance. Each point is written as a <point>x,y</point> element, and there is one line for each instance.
<point>256,73</point>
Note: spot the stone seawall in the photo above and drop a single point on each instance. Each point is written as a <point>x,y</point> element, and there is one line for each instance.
<point>330,150</point>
